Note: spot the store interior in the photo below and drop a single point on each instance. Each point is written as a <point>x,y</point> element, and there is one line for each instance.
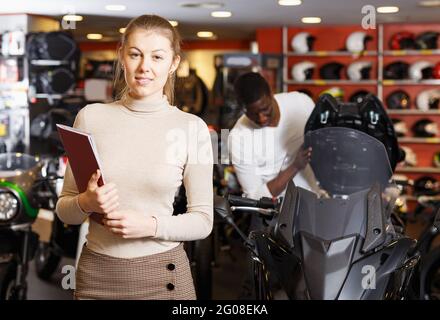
<point>58,56</point>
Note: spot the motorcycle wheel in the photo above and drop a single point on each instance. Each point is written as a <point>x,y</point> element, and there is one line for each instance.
<point>46,261</point>
<point>203,258</point>
<point>8,289</point>
<point>430,276</point>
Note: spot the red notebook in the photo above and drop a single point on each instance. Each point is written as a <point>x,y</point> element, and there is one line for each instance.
<point>82,155</point>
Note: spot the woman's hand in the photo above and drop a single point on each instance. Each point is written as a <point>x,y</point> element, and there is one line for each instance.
<point>302,158</point>
<point>97,199</point>
<point>130,224</point>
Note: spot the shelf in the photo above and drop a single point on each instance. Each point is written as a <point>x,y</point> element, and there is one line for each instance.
<point>419,140</point>
<point>413,112</point>
<point>50,96</point>
<point>331,53</point>
<point>418,169</point>
<point>399,53</point>
<point>387,82</point>
<point>331,82</point>
<point>48,63</point>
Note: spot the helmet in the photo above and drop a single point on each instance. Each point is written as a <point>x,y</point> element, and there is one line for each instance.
<point>426,186</point>
<point>410,157</point>
<point>303,70</point>
<point>398,99</point>
<point>428,99</point>
<point>359,70</point>
<point>436,160</point>
<point>403,182</point>
<point>400,127</point>
<point>357,41</point>
<point>335,92</point>
<point>425,128</point>
<point>331,71</point>
<point>402,40</point>
<point>396,70</point>
<point>358,96</point>
<point>302,42</point>
<point>421,70</point>
<point>436,71</point>
<point>427,40</point>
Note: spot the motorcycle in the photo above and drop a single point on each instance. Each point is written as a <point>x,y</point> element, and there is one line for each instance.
<point>22,193</point>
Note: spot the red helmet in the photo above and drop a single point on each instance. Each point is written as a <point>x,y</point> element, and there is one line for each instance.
<point>402,40</point>
<point>436,71</point>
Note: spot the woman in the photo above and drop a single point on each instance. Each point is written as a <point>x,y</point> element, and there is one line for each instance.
<point>147,149</point>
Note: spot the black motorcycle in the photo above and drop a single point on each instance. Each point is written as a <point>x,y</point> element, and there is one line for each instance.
<point>22,193</point>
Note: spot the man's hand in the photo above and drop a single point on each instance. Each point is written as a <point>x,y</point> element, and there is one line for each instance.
<point>302,158</point>
<point>130,224</point>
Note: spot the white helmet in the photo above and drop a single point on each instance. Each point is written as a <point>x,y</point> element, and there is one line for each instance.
<point>302,42</point>
<point>359,70</point>
<point>428,99</point>
<point>410,157</point>
<point>356,41</point>
<point>303,70</point>
<point>400,127</point>
<point>421,70</point>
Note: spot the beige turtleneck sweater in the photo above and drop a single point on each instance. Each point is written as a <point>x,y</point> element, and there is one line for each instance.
<point>147,150</point>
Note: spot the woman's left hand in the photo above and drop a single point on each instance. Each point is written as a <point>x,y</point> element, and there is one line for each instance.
<point>130,224</point>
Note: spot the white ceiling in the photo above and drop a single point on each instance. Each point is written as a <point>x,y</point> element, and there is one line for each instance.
<point>247,14</point>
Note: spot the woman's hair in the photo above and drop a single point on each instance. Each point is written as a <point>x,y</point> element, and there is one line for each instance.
<point>148,23</point>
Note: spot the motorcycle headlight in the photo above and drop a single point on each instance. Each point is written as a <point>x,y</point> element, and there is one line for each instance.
<point>8,206</point>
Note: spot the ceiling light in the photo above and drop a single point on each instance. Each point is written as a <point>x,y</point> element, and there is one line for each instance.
<point>311,20</point>
<point>429,3</point>
<point>115,7</point>
<point>72,17</point>
<point>94,36</point>
<point>206,5</point>
<point>221,14</point>
<point>205,34</point>
<point>390,9</point>
<point>174,23</point>
<point>289,2</point>
<point>122,30</point>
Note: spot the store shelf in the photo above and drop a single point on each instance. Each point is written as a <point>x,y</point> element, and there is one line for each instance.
<point>411,53</point>
<point>419,140</point>
<point>48,96</point>
<point>331,54</point>
<point>48,63</point>
<point>414,112</point>
<point>418,169</point>
<point>387,82</point>
<point>331,82</point>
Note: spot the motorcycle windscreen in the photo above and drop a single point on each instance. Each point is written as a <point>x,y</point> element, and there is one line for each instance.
<point>346,161</point>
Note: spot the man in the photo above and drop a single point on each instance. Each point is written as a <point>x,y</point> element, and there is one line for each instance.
<point>266,142</point>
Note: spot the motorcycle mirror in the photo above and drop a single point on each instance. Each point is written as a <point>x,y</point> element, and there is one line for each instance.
<point>222,207</point>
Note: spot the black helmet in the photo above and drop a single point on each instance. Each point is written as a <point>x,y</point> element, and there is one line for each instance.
<point>402,40</point>
<point>358,96</point>
<point>331,71</point>
<point>396,70</point>
<point>427,40</point>
<point>426,185</point>
<point>425,128</point>
<point>398,99</point>
<point>399,127</point>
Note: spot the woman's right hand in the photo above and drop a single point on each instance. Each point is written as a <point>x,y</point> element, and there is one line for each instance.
<point>97,199</point>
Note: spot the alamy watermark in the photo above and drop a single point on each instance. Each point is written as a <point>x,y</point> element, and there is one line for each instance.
<point>369,280</point>
<point>369,17</point>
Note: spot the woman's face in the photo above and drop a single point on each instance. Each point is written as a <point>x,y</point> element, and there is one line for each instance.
<point>148,61</point>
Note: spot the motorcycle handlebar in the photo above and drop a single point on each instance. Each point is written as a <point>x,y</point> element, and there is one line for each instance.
<point>264,203</point>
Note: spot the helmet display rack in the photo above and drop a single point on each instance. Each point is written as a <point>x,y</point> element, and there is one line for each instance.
<point>320,46</point>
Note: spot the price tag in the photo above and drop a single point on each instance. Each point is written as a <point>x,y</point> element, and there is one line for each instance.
<point>320,82</point>
<point>388,82</point>
<point>321,53</point>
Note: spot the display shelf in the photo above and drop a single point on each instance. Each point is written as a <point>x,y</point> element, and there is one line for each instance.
<point>402,53</point>
<point>430,82</point>
<point>332,54</point>
<point>418,169</point>
<point>331,82</point>
<point>419,140</point>
<point>414,112</point>
<point>48,63</point>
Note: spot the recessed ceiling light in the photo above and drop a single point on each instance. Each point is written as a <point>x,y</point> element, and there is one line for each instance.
<point>221,14</point>
<point>389,9</point>
<point>115,7</point>
<point>429,3</point>
<point>122,30</point>
<point>174,23</point>
<point>289,2</point>
<point>206,5</point>
<point>311,20</point>
<point>205,34</point>
<point>94,36</point>
<point>72,17</point>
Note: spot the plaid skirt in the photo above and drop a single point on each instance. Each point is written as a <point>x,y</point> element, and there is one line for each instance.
<point>161,276</point>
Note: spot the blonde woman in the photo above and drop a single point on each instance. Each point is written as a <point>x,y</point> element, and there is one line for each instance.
<point>148,148</point>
